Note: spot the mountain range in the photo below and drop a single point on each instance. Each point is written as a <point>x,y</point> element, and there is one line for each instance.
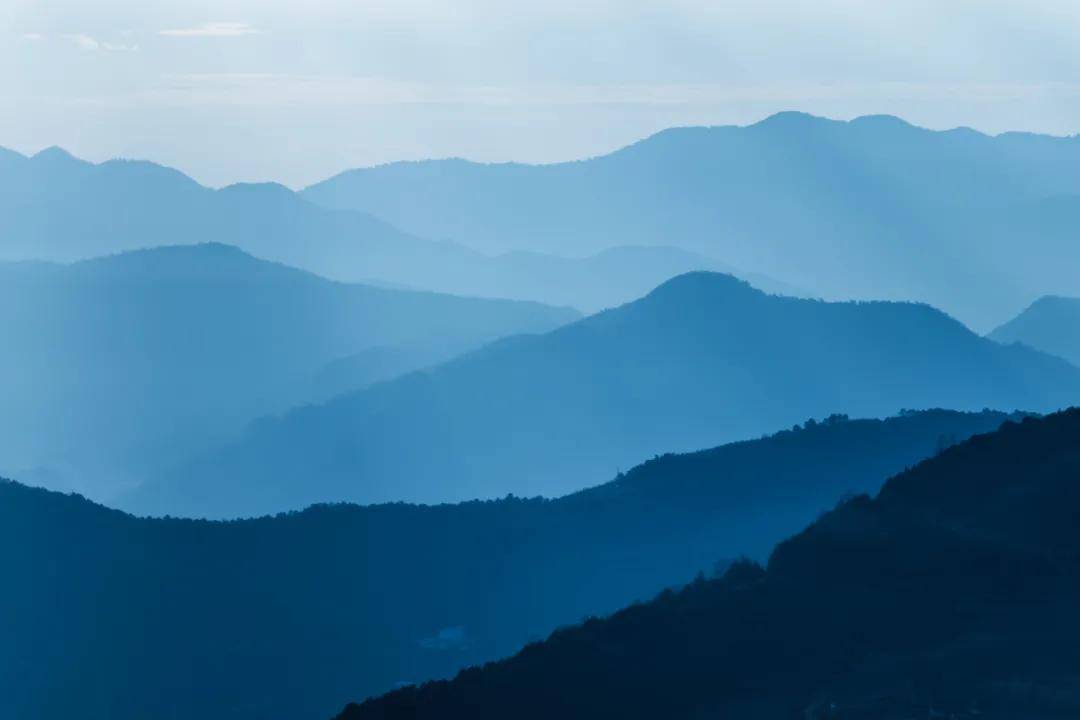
<point>56,207</point>
<point>117,367</point>
<point>1051,324</point>
<point>952,594</point>
<point>704,358</point>
<point>365,442</point>
<point>108,615</point>
<point>874,208</point>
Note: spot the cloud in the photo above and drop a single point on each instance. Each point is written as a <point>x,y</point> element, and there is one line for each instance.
<point>212,29</point>
<point>92,44</point>
<point>83,41</point>
<point>34,37</point>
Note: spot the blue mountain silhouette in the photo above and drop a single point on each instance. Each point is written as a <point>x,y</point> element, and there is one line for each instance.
<point>703,359</point>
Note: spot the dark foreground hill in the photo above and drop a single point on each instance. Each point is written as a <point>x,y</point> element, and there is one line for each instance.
<point>701,360</point>
<point>115,366</point>
<point>953,594</point>
<point>107,616</point>
<point>1051,324</point>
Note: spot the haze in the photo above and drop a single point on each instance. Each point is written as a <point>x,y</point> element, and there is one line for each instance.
<point>245,90</point>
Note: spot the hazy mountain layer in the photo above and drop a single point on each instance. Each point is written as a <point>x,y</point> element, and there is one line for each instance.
<point>56,207</point>
<point>952,594</point>
<point>1051,324</point>
<point>291,617</point>
<point>114,368</point>
<point>872,208</point>
<point>702,359</point>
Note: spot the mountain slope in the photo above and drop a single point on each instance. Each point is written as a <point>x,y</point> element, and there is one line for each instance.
<point>293,616</point>
<point>844,209</point>
<point>952,594</point>
<point>1051,324</point>
<point>608,278</point>
<point>64,209</point>
<point>113,366</point>
<point>56,207</point>
<point>702,359</point>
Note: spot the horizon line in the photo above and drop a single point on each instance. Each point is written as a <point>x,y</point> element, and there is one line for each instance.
<point>56,148</point>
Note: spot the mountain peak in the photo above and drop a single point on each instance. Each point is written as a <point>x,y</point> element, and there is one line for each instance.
<point>55,154</point>
<point>1049,325</point>
<point>262,194</point>
<point>139,171</point>
<point>884,122</point>
<point>1041,305</point>
<point>257,188</point>
<point>792,120</point>
<point>206,259</point>
<point>702,286</point>
<point>1056,300</point>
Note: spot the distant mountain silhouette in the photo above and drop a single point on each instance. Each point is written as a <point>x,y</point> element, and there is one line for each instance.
<point>59,208</point>
<point>115,366</point>
<point>702,359</point>
<point>1051,324</point>
<point>293,616</point>
<point>593,282</point>
<point>953,594</point>
<point>872,208</point>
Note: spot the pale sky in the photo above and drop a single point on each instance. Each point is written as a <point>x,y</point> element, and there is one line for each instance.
<point>295,91</point>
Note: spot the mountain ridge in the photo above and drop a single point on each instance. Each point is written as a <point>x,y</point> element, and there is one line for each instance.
<point>1051,324</point>
<point>64,209</point>
<point>780,117</point>
<point>703,359</point>
<point>842,209</point>
<point>307,610</point>
<point>132,360</point>
<point>948,594</point>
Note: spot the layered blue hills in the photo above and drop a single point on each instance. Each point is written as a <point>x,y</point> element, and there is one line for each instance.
<point>56,207</point>
<point>290,617</point>
<point>874,208</point>
<point>703,359</point>
<point>117,367</point>
<point>1050,324</point>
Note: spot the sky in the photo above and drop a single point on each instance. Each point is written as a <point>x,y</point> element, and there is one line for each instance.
<point>255,90</point>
